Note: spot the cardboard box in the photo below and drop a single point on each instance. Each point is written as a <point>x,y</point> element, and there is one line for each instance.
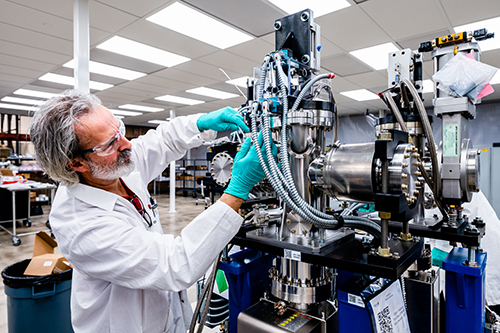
<point>45,261</point>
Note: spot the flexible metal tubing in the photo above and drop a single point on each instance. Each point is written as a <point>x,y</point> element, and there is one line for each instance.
<point>428,132</point>
<point>306,214</point>
<point>395,111</point>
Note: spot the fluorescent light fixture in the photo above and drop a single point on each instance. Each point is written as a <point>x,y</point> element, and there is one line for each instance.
<point>192,23</point>
<point>360,95</point>
<point>211,93</point>
<point>119,117</point>
<point>241,81</point>
<point>22,100</point>
<point>125,113</point>
<point>179,100</point>
<point>70,81</point>
<point>319,7</point>
<point>492,25</point>
<point>34,93</point>
<point>158,121</point>
<point>108,70</point>
<point>376,56</point>
<point>140,108</point>
<point>428,86</point>
<point>141,51</point>
<point>17,107</point>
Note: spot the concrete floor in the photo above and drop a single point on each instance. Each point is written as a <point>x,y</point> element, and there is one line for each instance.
<point>171,223</point>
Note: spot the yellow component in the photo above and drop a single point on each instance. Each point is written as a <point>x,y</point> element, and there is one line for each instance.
<point>484,149</point>
<point>384,252</point>
<point>384,215</point>
<point>455,50</point>
<point>451,39</point>
<point>405,237</point>
<point>282,324</point>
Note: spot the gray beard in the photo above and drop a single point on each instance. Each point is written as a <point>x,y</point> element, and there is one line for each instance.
<point>121,168</point>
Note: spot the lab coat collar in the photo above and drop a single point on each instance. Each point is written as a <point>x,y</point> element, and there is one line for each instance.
<point>94,196</point>
<point>101,198</point>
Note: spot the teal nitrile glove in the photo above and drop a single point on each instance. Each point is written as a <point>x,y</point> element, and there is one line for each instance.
<point>247,171</point>
<point>222,120</point>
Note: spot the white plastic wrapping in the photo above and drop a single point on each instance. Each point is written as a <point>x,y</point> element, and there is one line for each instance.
<point>463,76</point>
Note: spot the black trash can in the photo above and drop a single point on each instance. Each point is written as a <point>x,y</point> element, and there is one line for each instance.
<point>37,304</point>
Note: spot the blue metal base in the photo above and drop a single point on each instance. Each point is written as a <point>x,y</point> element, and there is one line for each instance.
<point>465,292</point>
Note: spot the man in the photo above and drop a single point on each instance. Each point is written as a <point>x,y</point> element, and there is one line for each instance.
<point>128,276</point>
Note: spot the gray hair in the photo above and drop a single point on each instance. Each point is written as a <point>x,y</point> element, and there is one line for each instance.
<point>52,132</point>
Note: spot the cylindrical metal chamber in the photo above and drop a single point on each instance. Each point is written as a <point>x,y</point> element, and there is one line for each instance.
<point>300,283</point>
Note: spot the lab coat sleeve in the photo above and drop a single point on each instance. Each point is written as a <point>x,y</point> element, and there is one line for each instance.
<point>112,250</point>
<point>153,151</point>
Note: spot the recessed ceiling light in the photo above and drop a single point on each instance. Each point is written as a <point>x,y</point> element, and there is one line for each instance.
<point>375,56</point>
<point>125,113</point>
<point>211,93</point>
<point>179,100</point>
<point>492,25</point>
<point>22,100</point>
<point>428,86</point>
<point>17,107</point>
<point>140,108</point>
<point>108,70</point>
<point>33,93</point>
<point>70,81</point>
<point>360,95</point>
<point>241,81</point>
<point>190,22</point>
<point>157,121</point>
<point>141,51</point>
<point>319,7</point>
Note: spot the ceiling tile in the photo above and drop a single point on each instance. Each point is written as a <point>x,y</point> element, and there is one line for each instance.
<point>93,76</point>
<point>491,57</point>
<point>241,14</point>
<point>369,80</point>
<point>142,88</point>
<point>181,76</point>
<point>28,52</point>
<point>27,73</point>
<point>35,39</point>
<point>351,29</point>
<point>137,8</point>
<point>423,13</point>
<point>24,63</point>
<point>167,85</point>
<point>35,20</point>
<point>413,43</point>
<point>462,11</point>
<point>199,68</point>
<point>227,61</point>
<point>254,50</point>
<point>344,65</point>
<point>341,84</point>
<point>328,48</point>
<point>108,18</point>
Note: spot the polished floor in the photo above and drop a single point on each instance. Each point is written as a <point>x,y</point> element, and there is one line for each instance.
<point>172,223</point>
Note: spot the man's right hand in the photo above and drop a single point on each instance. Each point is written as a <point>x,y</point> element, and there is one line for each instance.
<point>247,171</point>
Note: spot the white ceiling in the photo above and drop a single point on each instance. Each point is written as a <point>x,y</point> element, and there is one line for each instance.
<point>36,38</point>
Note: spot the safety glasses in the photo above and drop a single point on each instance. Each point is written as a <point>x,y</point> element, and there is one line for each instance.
<point>111,146</point>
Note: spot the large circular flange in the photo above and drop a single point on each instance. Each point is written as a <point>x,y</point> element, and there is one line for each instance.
<point>221,168</point>
<point>300,294</point>
<point>469,171</point>
<point>403,172</point>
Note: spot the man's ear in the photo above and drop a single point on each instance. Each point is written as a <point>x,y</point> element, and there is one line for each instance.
<point>78,164</point>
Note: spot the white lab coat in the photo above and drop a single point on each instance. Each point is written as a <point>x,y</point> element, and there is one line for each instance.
<point>128,277</point>
<point>480,206</point>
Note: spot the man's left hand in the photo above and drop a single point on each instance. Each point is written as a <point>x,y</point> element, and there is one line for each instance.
<point>222,120</point>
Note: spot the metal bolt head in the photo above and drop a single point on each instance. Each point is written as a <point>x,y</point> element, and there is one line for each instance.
<point>294,231</point>
<point>288,221</point>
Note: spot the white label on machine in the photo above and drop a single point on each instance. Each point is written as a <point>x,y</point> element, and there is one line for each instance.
<point>450,140</point>
<point>389,312</point>
<point>294,255</point>
<point>47,263</point>
<point>355,300</point>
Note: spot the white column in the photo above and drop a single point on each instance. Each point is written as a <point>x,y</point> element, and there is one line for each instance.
<point>172,176</point>
<point>81,44</point>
